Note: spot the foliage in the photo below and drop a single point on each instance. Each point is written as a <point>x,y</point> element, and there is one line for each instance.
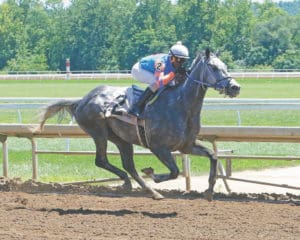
<point>27,62</point>
<point>292,7</point>
<point>272,39</point>
<point>289,60</point>
<point>94,34</point>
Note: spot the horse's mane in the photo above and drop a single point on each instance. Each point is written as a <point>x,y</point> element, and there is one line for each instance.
<point>200,55</point>
<point>196,60</point>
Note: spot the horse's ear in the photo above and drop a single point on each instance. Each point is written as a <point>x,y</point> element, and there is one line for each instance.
<point>218,53</point>
<point>207,52</point>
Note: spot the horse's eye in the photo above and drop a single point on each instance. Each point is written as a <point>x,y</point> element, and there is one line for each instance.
<point>214,67</point>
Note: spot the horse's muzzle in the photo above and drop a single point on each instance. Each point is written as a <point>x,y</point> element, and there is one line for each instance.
<point>233,88</point>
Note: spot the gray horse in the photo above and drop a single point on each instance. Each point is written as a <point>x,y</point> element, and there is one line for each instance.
<point>171,123</point>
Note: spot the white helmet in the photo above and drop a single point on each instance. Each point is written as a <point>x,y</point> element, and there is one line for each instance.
<point>179,50</point>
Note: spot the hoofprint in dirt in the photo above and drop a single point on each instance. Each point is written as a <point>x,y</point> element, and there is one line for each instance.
<point>32,210</point>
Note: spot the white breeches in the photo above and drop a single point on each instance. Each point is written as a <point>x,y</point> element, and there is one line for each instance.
<point>142,75</point>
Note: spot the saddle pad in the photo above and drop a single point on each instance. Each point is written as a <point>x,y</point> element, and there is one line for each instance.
<point>123,102</point>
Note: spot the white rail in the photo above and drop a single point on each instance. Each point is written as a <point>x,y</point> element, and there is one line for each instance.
<point>212,134</point>
<point>126,75</point>
<point>236,104</point>
<point>209,103</point>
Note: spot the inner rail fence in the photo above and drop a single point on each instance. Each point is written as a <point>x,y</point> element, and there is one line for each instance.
<point>125,74</point>
<point>213,134</point>
<point>236,104</point>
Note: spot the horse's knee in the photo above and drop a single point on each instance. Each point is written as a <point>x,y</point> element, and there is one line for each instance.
<point>174,173</point>
<point>129,168</point>
<point>213,160</point>
<point>100,161</point>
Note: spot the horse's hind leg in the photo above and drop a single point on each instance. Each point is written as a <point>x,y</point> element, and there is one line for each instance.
<point>126,152</point>
<point>100,138</point>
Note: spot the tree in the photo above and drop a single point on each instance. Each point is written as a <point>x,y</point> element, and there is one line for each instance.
<point>25,61</point>
<point>24,34</point>
<point>10,26</point>
<point>233,27</point>
<point>195,23</point>
<point>289,60</point>
<point>149,30</point>
<point>272,38</point>
<point>105,34</point>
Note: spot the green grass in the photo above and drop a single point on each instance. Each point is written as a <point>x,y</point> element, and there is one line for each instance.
<point>73,168</point>
<point>266,88</point>
<point>55,88</point>
<point>252,117</point>
<point>251,88</point>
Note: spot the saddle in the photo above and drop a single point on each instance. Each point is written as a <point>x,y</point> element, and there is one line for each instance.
<point>122,103</point>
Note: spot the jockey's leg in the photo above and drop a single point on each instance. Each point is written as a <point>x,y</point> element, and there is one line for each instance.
<point>138,107</point>
<point>143,76</point>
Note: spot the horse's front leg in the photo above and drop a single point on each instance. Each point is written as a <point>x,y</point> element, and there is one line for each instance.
<point>200,150</point>
<point>165,156</point>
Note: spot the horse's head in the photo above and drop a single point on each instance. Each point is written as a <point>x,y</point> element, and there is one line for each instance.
<point>213,73</point>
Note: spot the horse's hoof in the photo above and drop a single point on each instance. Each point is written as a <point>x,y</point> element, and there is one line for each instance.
<point>148,171</point>
<point>127,187</point>
<point>157,196</point>
<point>208,195</point>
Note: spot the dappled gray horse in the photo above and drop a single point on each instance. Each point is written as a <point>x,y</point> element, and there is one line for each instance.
<point>171,123</point>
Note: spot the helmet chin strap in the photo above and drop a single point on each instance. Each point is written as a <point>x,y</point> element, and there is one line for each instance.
<point>172,54</point>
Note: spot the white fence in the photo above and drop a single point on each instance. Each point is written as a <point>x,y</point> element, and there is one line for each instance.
<point>126,75</point>
<point>209,103</point>
<point>212,134</point>
<point>236,104</point>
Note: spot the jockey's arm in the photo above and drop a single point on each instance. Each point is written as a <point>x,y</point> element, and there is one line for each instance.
<point>165,79</point>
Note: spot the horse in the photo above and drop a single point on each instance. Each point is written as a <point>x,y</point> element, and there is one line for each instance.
<point>171,123</point>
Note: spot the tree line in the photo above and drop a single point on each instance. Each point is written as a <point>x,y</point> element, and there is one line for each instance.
<point>114,34</point>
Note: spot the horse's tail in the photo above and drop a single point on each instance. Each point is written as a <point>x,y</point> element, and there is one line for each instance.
<point>57,107</point>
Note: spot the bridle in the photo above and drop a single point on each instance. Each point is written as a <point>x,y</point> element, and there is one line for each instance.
<point>220,85</point>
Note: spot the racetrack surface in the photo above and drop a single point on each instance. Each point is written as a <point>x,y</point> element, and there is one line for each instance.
<point>52,211</point>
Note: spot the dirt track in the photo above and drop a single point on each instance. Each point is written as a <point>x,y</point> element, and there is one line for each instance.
<point>44,211</point>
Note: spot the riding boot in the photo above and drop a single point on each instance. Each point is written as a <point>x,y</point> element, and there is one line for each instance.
<point>139,106</point>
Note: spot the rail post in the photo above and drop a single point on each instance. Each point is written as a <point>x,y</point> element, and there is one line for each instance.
<point>34,159</point>
<point>220,167</point>
<point>186,164</point>
<point>3,140</point>
<point>68,68</point>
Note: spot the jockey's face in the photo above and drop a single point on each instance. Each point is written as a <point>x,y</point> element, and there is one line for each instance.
<point>177,62</point>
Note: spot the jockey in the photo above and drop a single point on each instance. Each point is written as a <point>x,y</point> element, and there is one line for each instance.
<point>157,70</point>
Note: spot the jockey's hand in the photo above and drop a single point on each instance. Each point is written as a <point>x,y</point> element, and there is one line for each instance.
<point>181,70</point>
<point>179,78</point>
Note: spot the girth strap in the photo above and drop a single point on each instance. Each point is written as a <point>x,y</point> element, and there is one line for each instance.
<point>139,126</point>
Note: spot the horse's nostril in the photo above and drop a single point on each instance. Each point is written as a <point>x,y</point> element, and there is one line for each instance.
<point>236,88</point>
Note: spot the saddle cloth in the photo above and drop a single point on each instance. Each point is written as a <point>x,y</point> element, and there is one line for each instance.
<point>122,103</point>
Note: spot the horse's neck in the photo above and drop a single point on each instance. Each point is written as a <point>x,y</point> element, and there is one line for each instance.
<point>193,91</point>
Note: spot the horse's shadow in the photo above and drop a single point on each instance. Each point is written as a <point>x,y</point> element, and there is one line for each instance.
<point>117,213</point>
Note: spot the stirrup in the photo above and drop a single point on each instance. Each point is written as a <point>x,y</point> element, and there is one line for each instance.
<point>135,111</point>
